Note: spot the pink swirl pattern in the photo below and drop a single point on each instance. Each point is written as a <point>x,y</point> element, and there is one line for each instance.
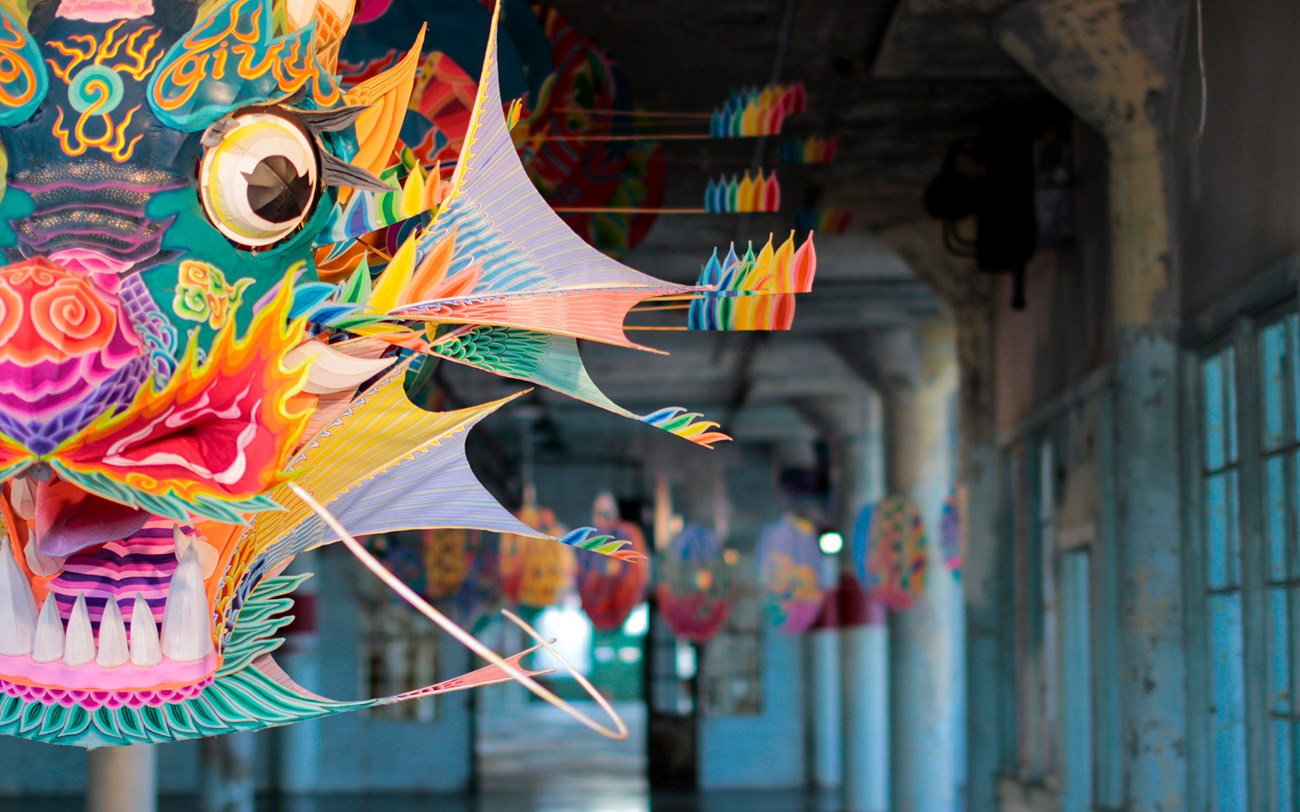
<point>68,351</point>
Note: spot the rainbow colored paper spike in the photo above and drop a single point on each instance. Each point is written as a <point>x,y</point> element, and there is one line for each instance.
<point>827,221</point>
<point>756,291</point>
<point>758,111</point>
<point>811,150</point>
<point>742,195</point>
<point>366,211</point>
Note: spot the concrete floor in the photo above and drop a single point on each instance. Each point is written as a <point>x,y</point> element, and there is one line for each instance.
<point>532,758</point>
<point>580,798</point>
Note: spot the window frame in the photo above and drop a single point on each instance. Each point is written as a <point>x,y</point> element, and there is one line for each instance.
<point>1242,334</point>
<point>1021,527</point>
<point>1034,543</point>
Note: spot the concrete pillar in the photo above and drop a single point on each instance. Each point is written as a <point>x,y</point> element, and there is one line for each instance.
<point>1153,699</point>
<point>121,779</point>
<point>864,651</point>
<point>827,731</point>
<point>863,634</point>
<point>227,782</point>
<point>956,600</point>
<point>977,681</point>
<point>924,724</point>
<point>1110,63</point>
<point>299,744</point>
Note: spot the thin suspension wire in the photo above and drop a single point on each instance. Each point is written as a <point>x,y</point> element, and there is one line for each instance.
<point>562,210</point>
<point>1200,57</point>
<point>609,111</point>
<point>582,137</point>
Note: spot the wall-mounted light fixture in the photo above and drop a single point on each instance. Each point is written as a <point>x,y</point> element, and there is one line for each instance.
<point>830,542</point>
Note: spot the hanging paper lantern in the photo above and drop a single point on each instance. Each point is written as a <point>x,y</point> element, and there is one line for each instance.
<point>889,546</point>
<point>582,81</point>
<point>734,195</point>
<point>401,554</point>
<point>808,151</point>
<point>758,111</point>
<point>535,572</point>
<point>565,74</point>
<point>479,594</point>
<point>952,528</point>
<point>788,568</point>
<point>447,560</point>
<point>694,589</point>
<point>596,173</point>
<point>611,589</point>
<point>443,97</point>
<point>383,30</point>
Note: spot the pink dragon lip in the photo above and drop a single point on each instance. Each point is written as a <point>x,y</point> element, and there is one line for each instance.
<point>105,11</point>
<point>92,677</point>
<point>91,263</point>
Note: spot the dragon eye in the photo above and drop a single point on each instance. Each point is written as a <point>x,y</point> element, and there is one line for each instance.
<point>260,179</point>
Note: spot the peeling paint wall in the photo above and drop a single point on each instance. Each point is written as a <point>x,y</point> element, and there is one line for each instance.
<point>1238,187</point>
<point>1091,368</point>
<point>1064,333</point>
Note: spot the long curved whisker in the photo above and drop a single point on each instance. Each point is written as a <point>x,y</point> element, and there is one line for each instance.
<point>619,732</point>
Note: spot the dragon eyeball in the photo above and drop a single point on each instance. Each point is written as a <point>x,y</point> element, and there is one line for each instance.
<point>259,181</point>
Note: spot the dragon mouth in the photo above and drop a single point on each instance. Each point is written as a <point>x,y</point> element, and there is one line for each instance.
<point>127,619</point>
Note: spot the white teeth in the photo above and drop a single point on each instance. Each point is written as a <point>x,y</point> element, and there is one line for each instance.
<point>16,602</point>
<point>48,640</point>
<point>186,626</point>
<point>79,642</point>
<point>144,634</point>
<point>40,563</point>
<point>145,650</point>
<point>207,553</point>
<point>112,637</point>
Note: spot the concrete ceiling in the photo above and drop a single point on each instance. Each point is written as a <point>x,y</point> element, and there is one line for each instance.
<point>896,80</point>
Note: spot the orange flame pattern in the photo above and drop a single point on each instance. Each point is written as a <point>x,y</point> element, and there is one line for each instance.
<point>221,429</point>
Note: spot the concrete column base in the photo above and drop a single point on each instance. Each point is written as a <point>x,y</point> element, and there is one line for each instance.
<point>121,779</point>
<point>864,653</point>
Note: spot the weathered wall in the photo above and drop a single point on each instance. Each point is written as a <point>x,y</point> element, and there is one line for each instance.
<point>1064,331</point>
<point>1113,64</point>
<point>767,749</point>
<point>1238,187</point>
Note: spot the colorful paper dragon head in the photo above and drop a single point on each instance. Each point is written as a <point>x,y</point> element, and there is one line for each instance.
<point>204,355</point>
